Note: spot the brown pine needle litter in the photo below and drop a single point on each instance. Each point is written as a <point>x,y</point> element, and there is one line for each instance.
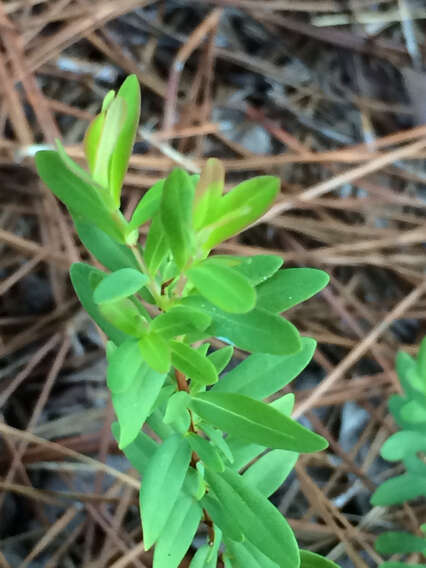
<point>329,96</point>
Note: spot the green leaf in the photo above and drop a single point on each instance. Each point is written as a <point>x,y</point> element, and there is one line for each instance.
<point>310,559</point>
<point>81,198</point>
<point>246,555</point>
<point>258,268</point>
<point>147,206</point>
<point>270,471</point>
<point>193,364</point>
<point>216,438</point>
<point>156,352</point>
<point>120,284</point>
<point>402,444</point>
<point>115,117</point>
<point>124,315</point>
<point>414,411</point>
<point>161,486</point>
<point>261,374</point>
<point>80,277</point>
<point>208,192</point>
<point>206,556</point>
<point>180,320</point>
<point>156,246</point>
<point>221,357</point>
<point>222,516</point>
<point>177,412</point>
<point>130,93</point>
<point>140,451</point>
<point>206,452</point>
<point>223,286</point>
<point>93,136</point>
<point>399,489</point>
<point>258,330</point>
<point>256,517</point>
<point>134,405</point>
<point>255,422</point>
<point>289,287</point>
<point>396,542</point>
<point>177,536</point>
<point>239,208</point>
<point>421,362</point>
<point>176,215</point>
<point>109,253</point>
<point>123,365</point>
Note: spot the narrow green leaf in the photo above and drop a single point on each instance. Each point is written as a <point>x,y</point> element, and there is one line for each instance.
<point>177,412</point>
<point>239,208</point>
<point>221,357</point>
<point>123,365</point>
<point>156,351</point>
<point>260,522</point>
<point>193,364</point>
<point>258,268</point>
<point>216,438</point>
<point>208,192</point>
<point>396,542</point>
<point>261,374</point>
<point>255,422</point>
<point>130,93</point>
<point>223,286</point>
<point>111,254</point>
<point>147,206</point>
<point>180,320</point>
<point>222,516</point>
<point>421,362</point>
<point>289,287</point>
<point>124,315</point>
<point>176,538</point>
<point>156,246</point>
<point>176,215</point>
<point>399,489</point>
<point>80,198</point>
<point>206,556</point>
<point>246,555</point>
<point>258,330</point>
<point>310,559</point>
<point>140,451</point>
<point>120,284</point>
<point>206,452</point>
<point>270,471</point>
<point>92,137</point>
<point>80,274</point>
<point>115,117</point>
<point>161,486</point>
<point>134,405</point>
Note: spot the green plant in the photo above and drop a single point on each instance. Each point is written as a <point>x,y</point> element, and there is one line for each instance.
<point>409,446</point>
<point>159,305</point>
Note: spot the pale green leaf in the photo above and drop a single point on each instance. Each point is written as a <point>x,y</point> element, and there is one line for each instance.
<point>120,284</point>
<point>156,351</point>
<point>289,287</point>
<point>310,559</point>
<point>177,536</point>
<point>147,206</point>
<point>255,422</point>
<point>223,286</point>
<point>134,405</point>
<point>161,486</point>
<point>123,365</point>
<point>193,364</point>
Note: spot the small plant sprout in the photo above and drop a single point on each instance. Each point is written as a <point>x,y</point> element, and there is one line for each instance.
<point>220,450</point>
<point>408,445</point>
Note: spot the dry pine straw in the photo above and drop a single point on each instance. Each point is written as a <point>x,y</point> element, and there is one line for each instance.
<point>352,203</point>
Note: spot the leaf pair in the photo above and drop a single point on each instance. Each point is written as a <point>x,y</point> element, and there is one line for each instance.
<point>109,139</point>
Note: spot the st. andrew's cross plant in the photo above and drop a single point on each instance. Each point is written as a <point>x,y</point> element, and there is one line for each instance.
<point>223,450</point>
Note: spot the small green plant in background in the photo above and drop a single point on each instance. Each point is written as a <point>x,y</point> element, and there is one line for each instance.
<point>159,305</point>
<point>408,445</point>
